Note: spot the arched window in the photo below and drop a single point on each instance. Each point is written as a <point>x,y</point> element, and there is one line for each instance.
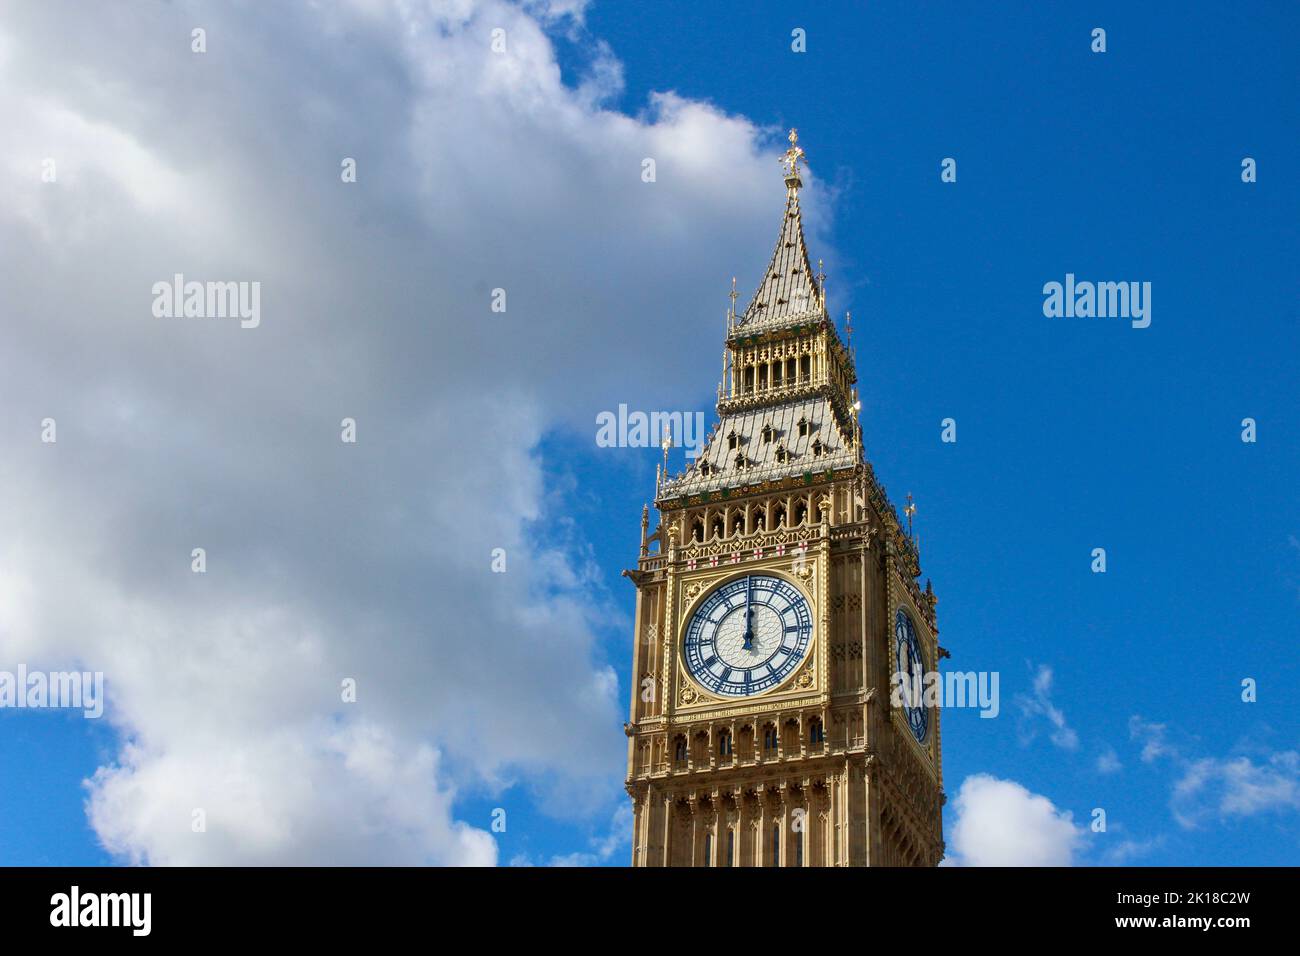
<point>818,448</point>
<point>769,738</point>
<point>705,467</point>
<point>781,454</point>
<point>800,513</point>
<point>718,530</point>
<point>768,432</point>
<point>740,461</point>
<point>778,517</point>
<point>724,744</point>
<point>697,529</point>
<point>679,750</point>
<point>816,733</point>
<point>733,440</point>
<point>803,427</point>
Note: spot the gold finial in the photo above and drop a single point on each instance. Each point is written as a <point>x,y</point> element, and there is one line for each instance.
<point>665,444</point>
<point>732,296</point>
<point>848,330</point>
<point>857,421</point>
<point>909,511</point>
<point>791,160</point>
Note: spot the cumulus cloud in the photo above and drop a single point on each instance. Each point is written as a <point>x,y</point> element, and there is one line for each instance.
<point>1000,823</point>
<point>327,561</point>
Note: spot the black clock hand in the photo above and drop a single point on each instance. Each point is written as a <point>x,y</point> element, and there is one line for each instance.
<point>749,617</point>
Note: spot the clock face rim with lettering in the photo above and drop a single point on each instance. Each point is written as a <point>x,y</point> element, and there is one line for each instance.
<point>718,659</point>
<point>917,714</point>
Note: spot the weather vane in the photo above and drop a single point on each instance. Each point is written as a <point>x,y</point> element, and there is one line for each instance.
<point>909,511</point>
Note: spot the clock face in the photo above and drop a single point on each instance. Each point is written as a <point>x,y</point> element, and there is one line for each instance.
<point>911,668</point>
<point>748,636</point>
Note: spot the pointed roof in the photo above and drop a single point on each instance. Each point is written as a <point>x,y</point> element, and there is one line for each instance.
<point>806,428</point>
<point>788,291</point>
<point>767,444</point>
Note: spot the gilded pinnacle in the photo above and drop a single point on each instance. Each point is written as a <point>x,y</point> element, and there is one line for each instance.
<point>791,161</point>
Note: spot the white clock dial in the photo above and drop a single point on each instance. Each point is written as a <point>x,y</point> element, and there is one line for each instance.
<point>748,636</point>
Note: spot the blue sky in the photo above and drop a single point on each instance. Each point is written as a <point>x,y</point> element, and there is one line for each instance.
<point>1073,434</point>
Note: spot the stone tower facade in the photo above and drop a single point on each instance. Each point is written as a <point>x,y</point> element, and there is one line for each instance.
<point>775,601</point>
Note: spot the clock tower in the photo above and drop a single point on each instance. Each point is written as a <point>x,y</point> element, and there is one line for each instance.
<point>775,601</point>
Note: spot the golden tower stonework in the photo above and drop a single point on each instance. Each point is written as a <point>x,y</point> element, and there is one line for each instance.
<point>775,601</point>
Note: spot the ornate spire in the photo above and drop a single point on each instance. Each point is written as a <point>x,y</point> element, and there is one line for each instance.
<point>789,287</point>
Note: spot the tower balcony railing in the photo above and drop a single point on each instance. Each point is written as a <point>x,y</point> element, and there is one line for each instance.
<point>668,766</point>
<point>787,389</point>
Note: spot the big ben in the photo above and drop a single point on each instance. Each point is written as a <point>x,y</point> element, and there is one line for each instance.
<point>780,634</point>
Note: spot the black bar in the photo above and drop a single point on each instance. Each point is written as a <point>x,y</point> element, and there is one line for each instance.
<point>332,905</point>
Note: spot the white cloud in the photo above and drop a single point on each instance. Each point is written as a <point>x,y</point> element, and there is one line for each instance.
<point>1125,852</point>
<point>1154,738</point>
<point>1221,787</point>
<point>1000,823</point>
<point>327,561</point>
<point>1108,761</point>
<point>1040,706</point>
<point>601,849</point>
<point>1236,787</point>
